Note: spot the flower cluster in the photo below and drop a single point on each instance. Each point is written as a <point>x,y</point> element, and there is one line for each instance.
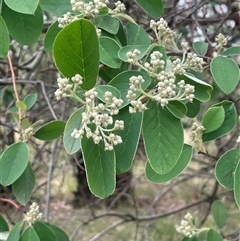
<point>132,57</point>
<point>187,227</point>
<point>97,118</point>
<point>119,7</point>
<point>27,133</point>
<point>65,86</point>
<point>221,41</point>
<point>194,62</point>
<point>164,34</point>
<point>90,8</point>
<point>33,214</point>
<point>155,62</point>
<point>178,67</point>
<point>66,19</point>
<point>196,135</point>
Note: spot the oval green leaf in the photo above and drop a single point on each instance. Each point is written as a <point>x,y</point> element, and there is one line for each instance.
<point>193,108</point>
<point>226,167</point>
<point>5,40</point>
<point>237,183</point>
<point>200,47</point>
<point>235,50</point>
<point>13,162</point>
<point>219,212</point>
<point>50,36</point>
<point>72,145</point>
<point>180,166</point>
<point>50,131</point>
<point>3,224</point>
<point>44,232</point>
<point>100,167</point>
<point>228,123</point>
<point>213,118</point>
<point>23,186</point>
<point>163,137</point>
<point>23,6</point>
<point>14,235</point>
<point>177,108</point>
<point>108,49</point>
<point>30,100</point>
<point>154,8</point>
<point>213,235</point>
<point>61,235</point>
<point>21,105</point>
<point>107,23</point>
<point>225,72</point>
<point>125,152</point>
<point>24,28</point>
<point>56,7</point>
<point>29,234</point>
<point>136,35</point>
<point>76,51</point>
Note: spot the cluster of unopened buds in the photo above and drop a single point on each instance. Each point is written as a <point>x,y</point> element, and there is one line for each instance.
<point>196,135</point>
<point>89,8</point>
<point>221,41</point>
<point>66,19</point>
<point>65,86</point>
<point>33,214</point>
<point>164,34</point>
<point>119,7</point>
<point>97,118</point>
<point>187,227</point>
<point>166,90</point>
<point>27,134</point>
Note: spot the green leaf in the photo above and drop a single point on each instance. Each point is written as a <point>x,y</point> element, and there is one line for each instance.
<point>154,8</point>
<point>179,167</point>
<point>213,118</point>
<point>76,51</point>
<point>225,72</point>
<point>108,23</point>
<point>72,145</point>
<point>121,82</point>
<point>219,212</point>
<point>124,50</point>
<point>226,167</point>
<point>100,167</point>
<point>3,224</point>
<point>23,186</point>
<point>5,40</point>
<point>50,36</point>
<point>15,232</point>
<point>21,105</point>
<point>13,162</point>
<point>44,232</point>
<point>237,183</point>
<point>61,235</point>
<point>177,108</point>
<point>29,234</point>
<point>24,28</point>
<point>102,89</point>
<point>228,123</point>
<point>193,108</point>
<point>108,49</point>
<point>163,137</point>
<point>30,100</point>
<point>125,152</point>
<point>235,50</point>
<point>213,235</point>
<point>50,131</point>
<point>200,47</point>
<point>56,7</point>
<point>136,35</point>
<point>202,89</point>
<point>23,6</point>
